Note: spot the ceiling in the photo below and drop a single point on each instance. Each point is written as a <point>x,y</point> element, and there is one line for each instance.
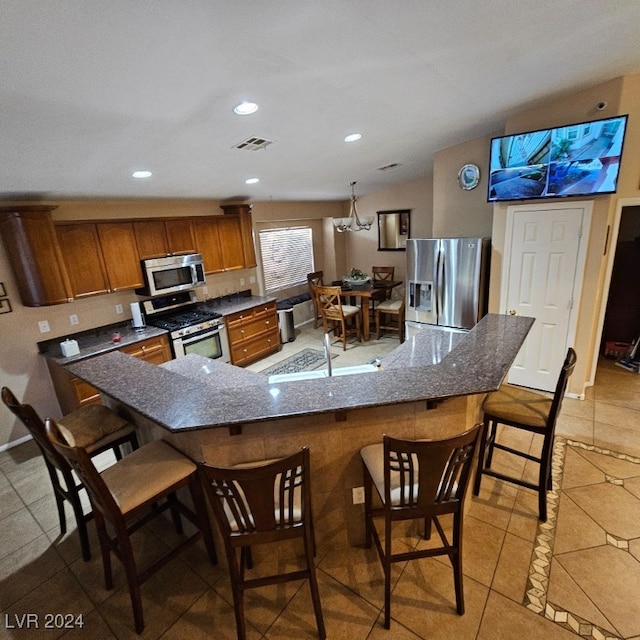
<point>90,91</point>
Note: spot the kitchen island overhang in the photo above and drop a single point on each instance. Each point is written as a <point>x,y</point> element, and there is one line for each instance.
<point>196,393</point>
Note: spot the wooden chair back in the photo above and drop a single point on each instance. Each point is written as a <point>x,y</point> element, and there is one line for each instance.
<point>330,302</point>
<point>382,273</point>
<point>314,279</point>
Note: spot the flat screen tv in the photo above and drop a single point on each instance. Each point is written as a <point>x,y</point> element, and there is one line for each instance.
<point>576,160</point>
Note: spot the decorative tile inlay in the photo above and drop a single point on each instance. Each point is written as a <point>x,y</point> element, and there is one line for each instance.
<point>538,582</point>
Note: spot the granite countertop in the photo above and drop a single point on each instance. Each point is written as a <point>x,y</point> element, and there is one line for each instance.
<point>195,392</point>
<point>95,342</point>
<point>98,341</point>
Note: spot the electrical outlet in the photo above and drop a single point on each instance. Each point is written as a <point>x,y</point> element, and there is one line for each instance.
<point>252,280</point>
<point>43,326</point>
<point>205,290</point>
<point>73,319</point>
<point>358,495</point>
<point>119,309</point>
<point>242,282</point>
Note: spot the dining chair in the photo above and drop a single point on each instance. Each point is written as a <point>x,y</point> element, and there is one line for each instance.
<point>387,311</point>
<point>335,315</point>
<point>128,495</point>
<point>263,502</point>
<point>423,479</point>
<point>94,427</point>
<point>523,409</point>
<point>313,280</point>
<point>380,275</point>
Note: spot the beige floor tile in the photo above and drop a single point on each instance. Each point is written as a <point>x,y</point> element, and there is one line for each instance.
<point>611,506</point>
<point>32,486</point>
<point>424,601</point>
<point>27,567</point>
<point>611,580</point>
<point>93,625</point>
<point>345,617</point>
<point>575,529</point>
<point>512,569</point>
<point>575,428</point>
<point>577,408</point>
<point>611,465</point>
<point>60,594</point>
<point>579,470</point>
<point>10,500</point>
<point>16,530</point>
<point>524,517</point>
<point>632,485</point>
<point>494,503</point>
<point>21,461</point>
<point>506,620</point>
<point>616,414</point>
<point>622,439</point>
<point>565,595</point>
<point>211,616</point>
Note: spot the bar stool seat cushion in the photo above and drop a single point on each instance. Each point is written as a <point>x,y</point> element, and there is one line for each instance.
<point>89,424</point>
<point>514,404</point>
<point>390,306</point>
<point>158,463</point>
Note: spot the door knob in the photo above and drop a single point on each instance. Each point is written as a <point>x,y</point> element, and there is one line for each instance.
<point>513,312</point>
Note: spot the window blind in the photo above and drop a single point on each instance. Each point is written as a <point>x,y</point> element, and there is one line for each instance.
<point>287,256</point>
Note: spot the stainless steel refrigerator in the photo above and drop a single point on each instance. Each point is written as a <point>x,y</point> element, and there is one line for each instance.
<point>447,282</point>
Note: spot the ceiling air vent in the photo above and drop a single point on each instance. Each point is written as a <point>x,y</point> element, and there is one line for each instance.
<point>254,144</point>
<point>386,167</point>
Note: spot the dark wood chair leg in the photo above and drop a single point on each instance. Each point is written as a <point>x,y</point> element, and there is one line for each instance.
<point>481,458</point>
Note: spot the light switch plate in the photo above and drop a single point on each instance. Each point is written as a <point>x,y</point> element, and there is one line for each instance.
<point>119,309</point>
<point>358,495</point>
<point>73,319</point>
<point>43,326</point>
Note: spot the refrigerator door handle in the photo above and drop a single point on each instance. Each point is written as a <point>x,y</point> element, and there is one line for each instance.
<point>440,275</point>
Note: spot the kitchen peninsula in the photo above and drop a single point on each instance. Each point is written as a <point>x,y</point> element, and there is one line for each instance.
<point>429,386</point>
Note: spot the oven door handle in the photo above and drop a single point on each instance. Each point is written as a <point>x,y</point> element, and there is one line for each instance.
<point>205,333</point>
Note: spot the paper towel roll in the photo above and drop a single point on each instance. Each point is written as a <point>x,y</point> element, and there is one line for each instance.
<point>136,316</point>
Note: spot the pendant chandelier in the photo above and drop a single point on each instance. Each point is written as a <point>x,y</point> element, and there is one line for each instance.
<point>353,221</point>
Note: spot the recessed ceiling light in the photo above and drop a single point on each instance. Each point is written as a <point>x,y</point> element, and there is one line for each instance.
<point>245,108</point>
<point>141,174</point>
<point>352,137</point>
<point>252,180</point>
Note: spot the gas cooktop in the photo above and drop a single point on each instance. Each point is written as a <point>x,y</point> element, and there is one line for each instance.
<point>177,319</point>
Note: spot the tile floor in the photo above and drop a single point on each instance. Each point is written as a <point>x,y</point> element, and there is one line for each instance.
<point>579,574</point>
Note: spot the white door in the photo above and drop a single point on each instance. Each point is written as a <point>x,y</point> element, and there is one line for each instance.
<point>543,280</point>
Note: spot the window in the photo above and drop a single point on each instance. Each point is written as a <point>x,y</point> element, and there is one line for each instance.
<point>287,256</point>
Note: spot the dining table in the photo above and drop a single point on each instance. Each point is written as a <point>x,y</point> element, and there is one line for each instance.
<point>378,290</point>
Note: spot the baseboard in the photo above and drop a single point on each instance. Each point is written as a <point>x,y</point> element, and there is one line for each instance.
<point>15,443</point>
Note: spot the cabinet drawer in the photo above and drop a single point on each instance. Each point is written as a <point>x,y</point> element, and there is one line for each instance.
<point>247,330</point>
<point>251,350</point>
<point>155,350</point>
<point>84,393</point>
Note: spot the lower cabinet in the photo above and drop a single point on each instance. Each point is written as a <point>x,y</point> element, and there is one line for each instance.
<point>73,392</point>
<point>253,334</point>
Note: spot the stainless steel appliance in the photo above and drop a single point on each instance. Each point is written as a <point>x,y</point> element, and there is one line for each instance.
<point>192,327</point>
<point>447,282</point>
<point>171,274</point>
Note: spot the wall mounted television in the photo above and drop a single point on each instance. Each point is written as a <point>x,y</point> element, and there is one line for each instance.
<point>576,160</point>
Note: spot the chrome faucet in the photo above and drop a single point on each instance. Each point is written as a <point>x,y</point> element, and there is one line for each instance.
<point>327,352</point>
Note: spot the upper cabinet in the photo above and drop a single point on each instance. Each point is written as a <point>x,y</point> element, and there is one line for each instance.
<point>33,251</point>
<point>57,262</point>
<point>120,253</point>
<point>156,238</point>
<point>82,254</point>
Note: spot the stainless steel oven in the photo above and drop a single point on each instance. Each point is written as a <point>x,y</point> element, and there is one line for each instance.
<point>192,327</point>
<point>210,343</point>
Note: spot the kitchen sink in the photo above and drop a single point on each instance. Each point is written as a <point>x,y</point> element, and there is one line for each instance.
<point>322,373</point>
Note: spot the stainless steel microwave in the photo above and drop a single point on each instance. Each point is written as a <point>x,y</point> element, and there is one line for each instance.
<point>171,274</point>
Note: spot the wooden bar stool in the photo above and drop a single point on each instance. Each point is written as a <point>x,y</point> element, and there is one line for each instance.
<point>94,427</point>
<point>394,309</point>
<point>418,479</point>
<point>336,316</point>
<point>259,503</point>
<point>129,494</point>
<point>523,409</point>
<point>313,280</point>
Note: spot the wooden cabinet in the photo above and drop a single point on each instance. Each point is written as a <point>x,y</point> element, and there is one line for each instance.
<point>153,350</point>
<point>207,234</point>
<point>35,256</point>
<point>120,254</point>
<point>231,249</point>
<point>80,246</point>
<point>157,238</point>
<point>73,392</point>
<point>243,213</point>
<point>253,334</point>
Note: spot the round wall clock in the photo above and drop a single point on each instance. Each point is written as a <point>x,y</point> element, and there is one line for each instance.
<point>469,176</point>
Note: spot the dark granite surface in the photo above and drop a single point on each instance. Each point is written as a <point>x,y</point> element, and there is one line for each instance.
<point>195,393</point>
<point>97,341</point>
<point>94,342</point>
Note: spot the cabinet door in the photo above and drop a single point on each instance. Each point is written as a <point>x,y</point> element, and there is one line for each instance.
<point>35,256</point>
<point>151,238</point>
<point>180,236</point>
<point>247,240</point>
<point>208,244</point>
<point>153,350</point>
<point>80,247</point>
<point>120,253</point>
<point>231,243</point>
